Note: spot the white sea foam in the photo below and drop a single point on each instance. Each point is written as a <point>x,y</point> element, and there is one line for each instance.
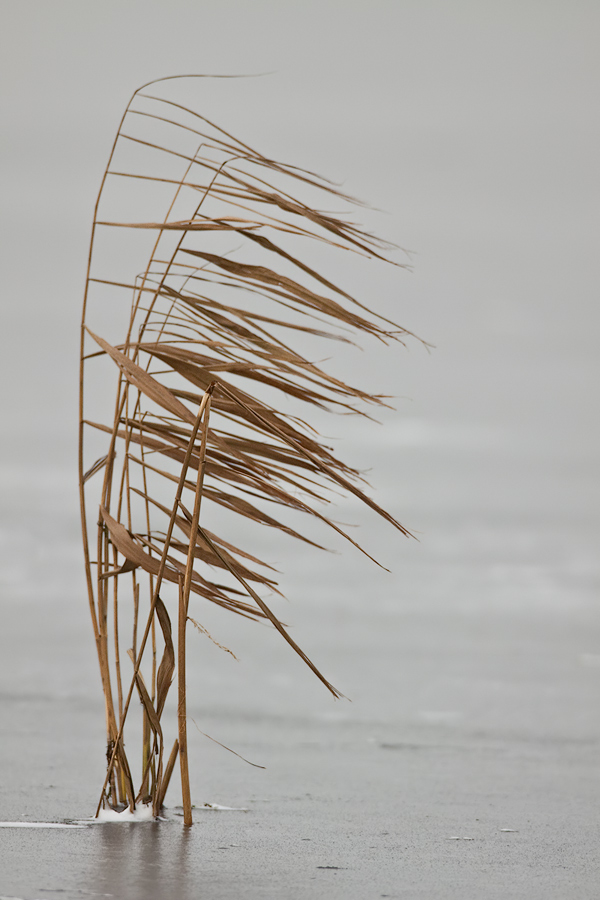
<point>218,806</point>
<point>37,825</point>
<point>142,813</point>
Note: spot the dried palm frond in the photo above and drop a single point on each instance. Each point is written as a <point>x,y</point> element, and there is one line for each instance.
<point>203,324</point>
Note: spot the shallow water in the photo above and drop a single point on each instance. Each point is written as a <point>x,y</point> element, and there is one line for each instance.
<point>466,763</point>
<point>468,755</point>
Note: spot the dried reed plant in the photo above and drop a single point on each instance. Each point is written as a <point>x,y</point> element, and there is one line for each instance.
<point>204,378</point>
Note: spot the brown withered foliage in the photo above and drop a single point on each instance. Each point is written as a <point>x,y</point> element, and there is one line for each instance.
<point>202,355</point>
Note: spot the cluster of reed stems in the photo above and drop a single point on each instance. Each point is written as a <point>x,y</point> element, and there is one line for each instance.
<point>203,372</point>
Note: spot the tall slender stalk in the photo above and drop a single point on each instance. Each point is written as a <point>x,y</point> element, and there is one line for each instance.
<point>225,299</point>
<point>186,798</point>
<point>184,600</point>
<point>155,598</point>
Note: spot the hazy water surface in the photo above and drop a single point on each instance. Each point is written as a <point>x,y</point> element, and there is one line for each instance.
<point>473,668</point>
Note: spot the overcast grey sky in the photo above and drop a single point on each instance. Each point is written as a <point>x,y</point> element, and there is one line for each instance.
<point>472,124</point>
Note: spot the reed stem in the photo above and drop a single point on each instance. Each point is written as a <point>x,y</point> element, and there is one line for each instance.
<point>184,600</point>
<point>155,595</point>
<point>182,711</point>
<point>164,785</point>
<point>182,335</point>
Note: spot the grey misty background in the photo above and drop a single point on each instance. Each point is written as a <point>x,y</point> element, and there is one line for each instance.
<point>473,127</point>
